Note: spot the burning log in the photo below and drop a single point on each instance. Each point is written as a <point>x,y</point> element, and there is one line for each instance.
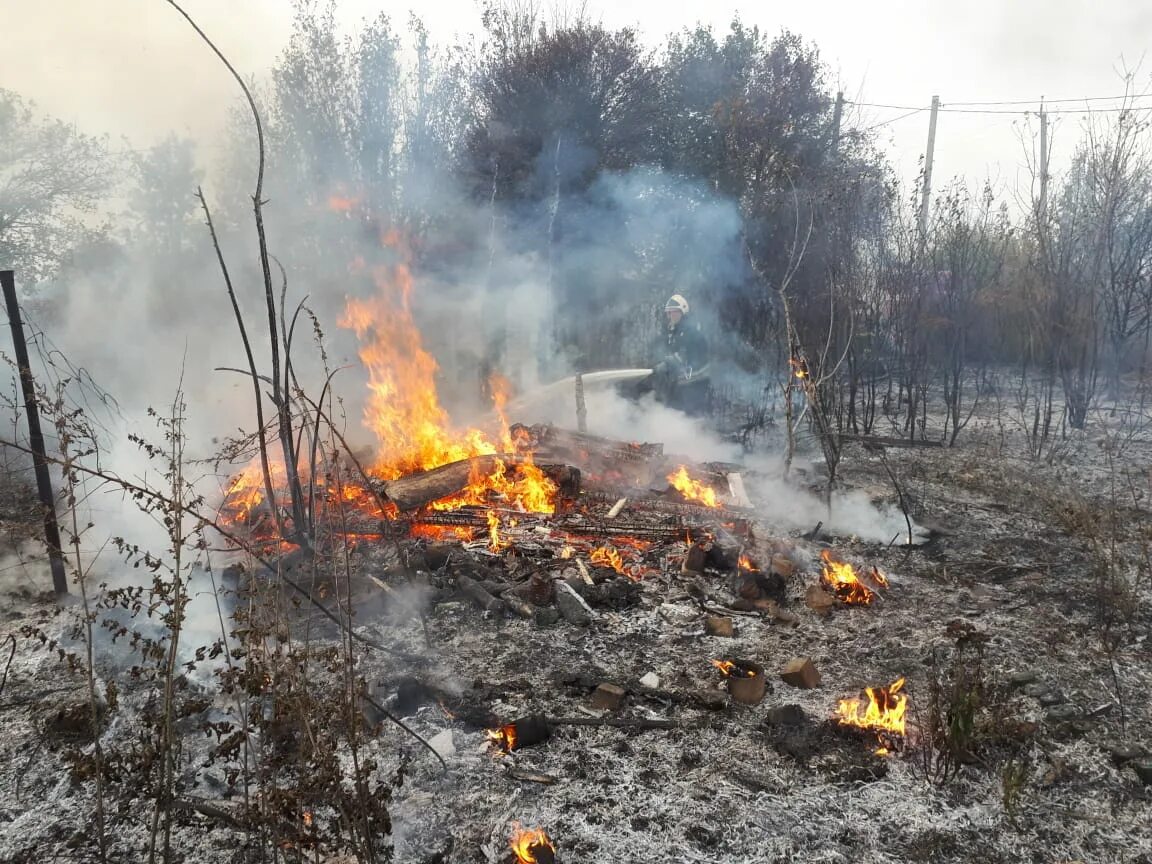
<point>415,490</point>
<point>744,679</point>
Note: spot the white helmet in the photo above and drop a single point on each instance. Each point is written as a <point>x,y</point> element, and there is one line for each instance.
<point>676,303</point>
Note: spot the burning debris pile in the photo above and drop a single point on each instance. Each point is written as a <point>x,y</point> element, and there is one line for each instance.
<point>544,524</point>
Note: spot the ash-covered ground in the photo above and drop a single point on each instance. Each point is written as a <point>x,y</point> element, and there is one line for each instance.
<point>1024,569</point>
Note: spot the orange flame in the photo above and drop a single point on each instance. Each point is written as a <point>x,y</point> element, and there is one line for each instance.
<point>307,817</point>
<point>883,712</point>
<point>246,491</point>
<point>504,737</point>
<point>527,843</point>
<point>748,564</point>
<point>404,409</point>
<point>495,542</point>
<point>606,556</point>
<point>691,489</point>
<point>799,370</point>
<point>730,670</point>
<point>342,204</point>
<point>440,532</point>
<point>840,578</point>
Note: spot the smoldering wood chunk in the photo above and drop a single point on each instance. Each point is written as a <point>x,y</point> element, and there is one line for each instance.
<point>694,560</point>
<point>617,593</point>
<point>819,600</point>
<point>476,592</point>
<point>801,672</point>
<point>531,729</point>
<point>714,625</point>
<point>537,589</point>
<point>608,697</point>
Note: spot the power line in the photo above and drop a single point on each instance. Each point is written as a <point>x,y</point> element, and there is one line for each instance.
<point>944,108</point>
<point>1058,101</point>
<point>893,120</point>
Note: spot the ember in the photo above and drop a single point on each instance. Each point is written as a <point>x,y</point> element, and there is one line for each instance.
<point>531,846</point>
<point>840,579</point>
<point>881,710</point>
<point>693,490</point>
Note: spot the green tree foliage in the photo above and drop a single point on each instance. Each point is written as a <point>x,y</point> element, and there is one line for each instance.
<point>52,179</point>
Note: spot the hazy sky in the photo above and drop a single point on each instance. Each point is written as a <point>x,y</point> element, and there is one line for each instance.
<point>134,68</point>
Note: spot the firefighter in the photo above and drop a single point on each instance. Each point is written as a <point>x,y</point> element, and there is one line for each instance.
<point>681,376</point>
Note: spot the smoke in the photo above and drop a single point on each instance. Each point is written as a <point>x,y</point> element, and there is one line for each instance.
<point>572,280</point>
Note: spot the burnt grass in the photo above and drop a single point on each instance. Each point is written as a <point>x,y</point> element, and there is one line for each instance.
<point>1037,568</point>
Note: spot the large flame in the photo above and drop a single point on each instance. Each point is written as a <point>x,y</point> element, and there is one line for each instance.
<point>404,410</point>
<point>691,489</point>
<point>882,709</point>
<point>528,843</point>
<point>840,578</point>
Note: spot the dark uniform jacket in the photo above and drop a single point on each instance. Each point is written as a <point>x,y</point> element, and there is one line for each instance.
<point>685,349</point>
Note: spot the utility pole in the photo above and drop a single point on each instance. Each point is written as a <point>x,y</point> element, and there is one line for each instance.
<point>35,436</point>
<point>1042,214</point>
<point>837,113</point>
<point>926,194</point>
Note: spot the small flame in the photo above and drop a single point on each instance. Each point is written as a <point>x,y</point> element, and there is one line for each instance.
<point>748,565</point>
<point>691,489</point>
<point>606,556</point>
<point>527,843</point>
<point>567,552</point>
<point>307,817</point>
<point>840,578</point>
<point>799,370</point>
<point>883,709</point>
<point>730,669</point>
<point>495,542</point>
<point>504,737</point>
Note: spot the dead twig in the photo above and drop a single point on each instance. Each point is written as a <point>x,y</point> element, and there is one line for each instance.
<point>8,665</point>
